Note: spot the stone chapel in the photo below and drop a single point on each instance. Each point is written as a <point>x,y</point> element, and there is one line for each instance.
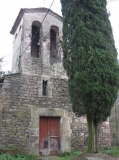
<point>35,109</point>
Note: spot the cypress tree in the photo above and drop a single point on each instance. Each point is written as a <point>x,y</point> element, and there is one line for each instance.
<point>90,60</point>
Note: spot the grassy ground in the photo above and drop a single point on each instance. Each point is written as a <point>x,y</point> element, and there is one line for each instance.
<point>108,153</point>
<point>66,156</point>
<point>16,157</point>
<point>9,157</point>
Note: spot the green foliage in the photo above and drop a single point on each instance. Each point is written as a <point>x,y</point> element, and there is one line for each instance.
<point>2,72</point>
<point>19,62</point>
<point>64,154</point>
<point>69,155</point>
<point>16,157</point>
<point>19,59</point>
<point>76,153</point>
<point>114,151</point>
<point>90,57</point>
<point>90,60</point>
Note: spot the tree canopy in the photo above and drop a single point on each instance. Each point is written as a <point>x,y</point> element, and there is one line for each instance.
<point>90,58</point>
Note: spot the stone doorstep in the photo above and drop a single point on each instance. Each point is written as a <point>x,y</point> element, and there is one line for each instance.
<point>93,158</point>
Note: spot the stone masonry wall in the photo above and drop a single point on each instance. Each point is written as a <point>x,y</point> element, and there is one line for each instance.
<point>114,121</point>
<point>17,47</point>
<point>21,91</point>
<point>18,92</point>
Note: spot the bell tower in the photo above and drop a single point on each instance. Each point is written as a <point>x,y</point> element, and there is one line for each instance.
<point>37,46</point>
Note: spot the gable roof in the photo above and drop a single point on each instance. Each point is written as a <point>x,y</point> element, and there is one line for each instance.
<point>31,10</point>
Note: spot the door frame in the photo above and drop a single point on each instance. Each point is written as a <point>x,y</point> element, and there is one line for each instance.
<point>65,128</point>
<point>49,150</point>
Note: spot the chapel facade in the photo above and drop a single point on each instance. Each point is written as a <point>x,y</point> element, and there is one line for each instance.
<point>35,109</point>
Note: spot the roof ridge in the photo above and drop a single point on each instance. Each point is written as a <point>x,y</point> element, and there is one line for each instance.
<point>30,10</point>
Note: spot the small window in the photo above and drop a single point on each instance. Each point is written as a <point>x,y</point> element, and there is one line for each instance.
<point>44,88</point>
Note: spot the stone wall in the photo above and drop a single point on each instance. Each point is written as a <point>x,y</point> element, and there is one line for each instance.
<point>17,47</point>
<point>114,121</point>
<point>21,107</point>
<point>20,96</point>
<point>0,108</point>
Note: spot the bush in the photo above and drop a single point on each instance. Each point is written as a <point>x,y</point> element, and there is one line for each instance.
<point>63,154</point>
<point>70,154</point>
<point>110,150</point>
<point>16,157</point>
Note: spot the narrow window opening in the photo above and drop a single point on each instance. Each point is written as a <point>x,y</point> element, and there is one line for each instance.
<point>53,42</point>
<point>1,79</point>
<point>45,88</point>
<point>35,47</point>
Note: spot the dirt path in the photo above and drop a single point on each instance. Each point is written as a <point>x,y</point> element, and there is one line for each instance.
<point>100,155</point>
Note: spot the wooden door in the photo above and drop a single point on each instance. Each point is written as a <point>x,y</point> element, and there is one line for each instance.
<point>49,135</point>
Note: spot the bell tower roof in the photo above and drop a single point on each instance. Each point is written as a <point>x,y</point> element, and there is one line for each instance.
<point>31,10</point>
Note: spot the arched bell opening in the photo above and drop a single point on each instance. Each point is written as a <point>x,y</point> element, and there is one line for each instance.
<point>36,44</point>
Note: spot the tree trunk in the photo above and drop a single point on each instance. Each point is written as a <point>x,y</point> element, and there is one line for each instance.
<point>96,139</point>
<point>96,132</point>
<point>90,134</point>
<point>93,135</point>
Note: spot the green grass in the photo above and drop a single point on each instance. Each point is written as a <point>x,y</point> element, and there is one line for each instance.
<point>62,156</point>
<point>68,156</point>
<point>16,157</point>
<point>114,151</point>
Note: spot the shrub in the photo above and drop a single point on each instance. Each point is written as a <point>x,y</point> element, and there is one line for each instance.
<point>16,157</point>
<point>110,150</point>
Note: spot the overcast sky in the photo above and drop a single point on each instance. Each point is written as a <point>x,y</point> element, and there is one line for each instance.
<point>9,10</point>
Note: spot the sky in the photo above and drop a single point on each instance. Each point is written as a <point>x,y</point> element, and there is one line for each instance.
<point>9,10</point>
